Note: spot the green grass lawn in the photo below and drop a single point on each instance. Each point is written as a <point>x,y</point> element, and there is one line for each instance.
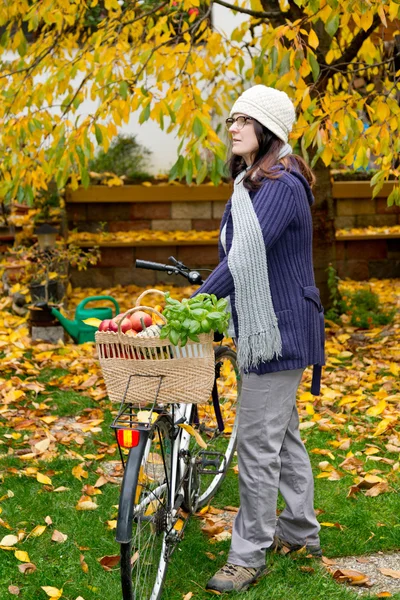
<point>367,524</point>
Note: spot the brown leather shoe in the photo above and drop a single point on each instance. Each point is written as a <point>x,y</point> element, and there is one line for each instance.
<point>234,578</point>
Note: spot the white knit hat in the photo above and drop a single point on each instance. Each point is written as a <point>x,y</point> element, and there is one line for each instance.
<point>270,107</point>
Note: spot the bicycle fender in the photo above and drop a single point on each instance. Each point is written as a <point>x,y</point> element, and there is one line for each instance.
<point>128,489</point>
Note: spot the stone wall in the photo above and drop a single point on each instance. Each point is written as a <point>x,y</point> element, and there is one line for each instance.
<point>366,257</point>
<point>201,207</point>
<point>132,208</point>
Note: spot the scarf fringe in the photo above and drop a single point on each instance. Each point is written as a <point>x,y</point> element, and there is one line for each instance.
<point>258,347</point>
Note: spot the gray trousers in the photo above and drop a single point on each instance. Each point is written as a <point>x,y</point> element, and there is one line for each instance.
<point>271,457</point>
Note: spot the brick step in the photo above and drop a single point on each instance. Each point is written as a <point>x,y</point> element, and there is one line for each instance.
<point>148,194</point>
<point>146,243</point>
<point>357,237</point>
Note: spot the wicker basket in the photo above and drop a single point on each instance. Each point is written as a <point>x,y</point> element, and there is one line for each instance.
<point>142,370</point>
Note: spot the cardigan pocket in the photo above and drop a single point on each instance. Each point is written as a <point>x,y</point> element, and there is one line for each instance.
<point>290,345</point>
<point>312,293</point>
<point>315,320</point>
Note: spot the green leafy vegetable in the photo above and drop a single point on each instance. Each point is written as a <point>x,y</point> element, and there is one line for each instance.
<point>187,319</point>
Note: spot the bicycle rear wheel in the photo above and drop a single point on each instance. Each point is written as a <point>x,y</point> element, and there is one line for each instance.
<point>216,421</point>
<point>144,559</point>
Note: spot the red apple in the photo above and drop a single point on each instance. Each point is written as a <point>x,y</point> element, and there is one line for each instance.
<point>119,317</point>
<point>126,324</point>
<point>104,325</point>
<point>113,326</point>
<point>135,320</point>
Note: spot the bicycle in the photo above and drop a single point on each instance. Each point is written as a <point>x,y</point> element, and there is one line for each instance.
<point>176,462</point>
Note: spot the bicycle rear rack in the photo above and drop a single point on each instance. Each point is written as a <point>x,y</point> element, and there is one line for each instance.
<point>126,421</point>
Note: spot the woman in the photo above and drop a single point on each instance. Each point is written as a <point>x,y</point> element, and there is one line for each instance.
<point>277,321</point>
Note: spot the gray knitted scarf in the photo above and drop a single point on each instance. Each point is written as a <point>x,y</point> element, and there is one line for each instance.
<point>259,337</point>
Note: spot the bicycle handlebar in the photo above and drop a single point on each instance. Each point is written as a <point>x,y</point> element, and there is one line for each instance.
<point>178,268</point>
<point>153,266</point>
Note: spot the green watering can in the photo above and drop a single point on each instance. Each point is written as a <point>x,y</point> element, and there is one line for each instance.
<point>77,329</point>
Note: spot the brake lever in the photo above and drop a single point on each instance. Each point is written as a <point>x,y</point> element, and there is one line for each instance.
<point>178,263</point>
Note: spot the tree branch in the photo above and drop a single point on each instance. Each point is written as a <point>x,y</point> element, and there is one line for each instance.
<point>248,11</point>
<point>279,17</point>
<point>340,64</point>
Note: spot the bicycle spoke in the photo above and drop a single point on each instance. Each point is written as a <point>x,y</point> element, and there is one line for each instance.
<point>220,444</point>
<point>151,511</point>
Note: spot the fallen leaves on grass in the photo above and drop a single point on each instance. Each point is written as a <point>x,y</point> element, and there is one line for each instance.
<point>108,562</point>
<point>37,531</point>
<point>9,540</point>
<point>14,590</point>
<point>27,568</point>
<point>58,537</point>
<point>358,409</point>
<point>217,522</point>
<point>43,479</point>
<point>52,592</point>
<point>22,555</point>
<point>84,565</point>
<point>80,472</point>
<point>377,489</point>
<point>86,504</point>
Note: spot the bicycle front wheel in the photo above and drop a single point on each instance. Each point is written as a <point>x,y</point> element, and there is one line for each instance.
<point>216,421</point>
<point>144,559</point>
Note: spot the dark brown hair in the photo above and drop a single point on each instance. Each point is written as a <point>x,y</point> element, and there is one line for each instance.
<point>266,159</point>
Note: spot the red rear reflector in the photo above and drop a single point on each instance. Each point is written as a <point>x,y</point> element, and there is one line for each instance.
<point>128,438</point>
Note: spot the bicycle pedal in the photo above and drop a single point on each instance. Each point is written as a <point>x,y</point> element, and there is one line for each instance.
<point>212,463</point>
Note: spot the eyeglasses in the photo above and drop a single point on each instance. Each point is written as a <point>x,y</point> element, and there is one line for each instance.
<point>240,122</point>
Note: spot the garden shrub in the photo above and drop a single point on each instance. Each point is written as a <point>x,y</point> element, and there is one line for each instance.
<point>362,306</point>
<point>125,156</point>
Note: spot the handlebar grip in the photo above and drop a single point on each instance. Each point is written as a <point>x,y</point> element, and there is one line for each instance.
<point>153,266</point>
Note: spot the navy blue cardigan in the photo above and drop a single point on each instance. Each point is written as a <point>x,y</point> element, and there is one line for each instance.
<point>283,208</point>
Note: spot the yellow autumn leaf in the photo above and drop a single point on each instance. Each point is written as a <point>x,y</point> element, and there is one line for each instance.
<point>38,530</point>
<point>383,425</point>
<point>151,508</point>
<point>22,556</point>
<point>52,592</point>
<point>48,419</point>
<point>92,321</point>
<point>78,471</point>
<point>376,410</point>
<point>146,416</point>
<point>306,397</point>
<point>179,525</point>
<point>395,369</point>
<point>310,409</point>
<point>313,40</point>
<point>370,451</point>
<point>366,19</point>
<point>194,433</point>
<point>43,479</point>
